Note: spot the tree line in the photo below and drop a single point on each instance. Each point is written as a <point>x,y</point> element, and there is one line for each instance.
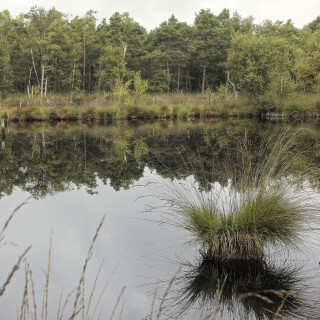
<point>45,50</point>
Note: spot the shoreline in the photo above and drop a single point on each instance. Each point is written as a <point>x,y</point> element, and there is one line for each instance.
<point>97,107</point>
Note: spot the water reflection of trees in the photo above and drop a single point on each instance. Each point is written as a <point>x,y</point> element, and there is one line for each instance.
<point>45,160</point>
<point>238,289</point>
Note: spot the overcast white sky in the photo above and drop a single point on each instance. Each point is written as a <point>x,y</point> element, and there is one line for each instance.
<point>151,13</point>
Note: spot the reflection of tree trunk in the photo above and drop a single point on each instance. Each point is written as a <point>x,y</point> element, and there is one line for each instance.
<point>33,146</point>
<point>203,76</point>
<point>3,134</point>
<point>168,73</point>
<point>43,140</point>
<point>85,151</point>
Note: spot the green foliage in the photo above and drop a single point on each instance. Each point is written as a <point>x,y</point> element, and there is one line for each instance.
<point>111,67</point>
<point>140,149</point>
<point>159,81</point>
<point>223,96</point>
<point>140,85</point>
<point>256,61</point>
<point>6,76</point>
<point>121,91</point>
<point>78,54</point>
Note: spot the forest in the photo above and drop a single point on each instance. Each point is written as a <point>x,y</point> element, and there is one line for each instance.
<point>46,51</point>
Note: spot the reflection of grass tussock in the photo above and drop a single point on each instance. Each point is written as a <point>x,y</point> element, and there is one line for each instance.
<point>263,206</point>
<point>240,288</point>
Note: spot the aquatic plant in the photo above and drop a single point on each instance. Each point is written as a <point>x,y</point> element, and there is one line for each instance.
<point>262,206</point>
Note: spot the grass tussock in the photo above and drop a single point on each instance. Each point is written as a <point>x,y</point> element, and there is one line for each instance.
<point>262,206</point>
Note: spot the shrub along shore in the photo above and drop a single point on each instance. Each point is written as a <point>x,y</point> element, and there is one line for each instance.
<point>101,107</point>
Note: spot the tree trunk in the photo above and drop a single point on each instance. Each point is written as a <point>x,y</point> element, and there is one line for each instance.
<point>46,88</point>
<point>89,78</point>
<point>84,62</point>
<point>72,82</point>
<point>233,86</point>
<point>203,77</point>
<point>34,66</point>
<point>29,84</point>
<point>42,81</point>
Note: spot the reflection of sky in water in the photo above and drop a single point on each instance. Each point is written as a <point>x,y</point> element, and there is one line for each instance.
<point>73,217</point>
<point>149,250</point>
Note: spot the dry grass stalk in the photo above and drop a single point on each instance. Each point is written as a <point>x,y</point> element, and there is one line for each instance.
<point>285,297</point>
<point>100,313</point>
<point>11,216</point>
<point>25,301</point>
<point>93,289</point>
<point>218,293</point>
<point>13,271</point>
<point>166,293</point>
<point>284,294</point>
<point>78,290</point>
<point>117,303</point>
<point>44,312</point>
<point>107,283</point>
<point>82,296</point>
<point>122,308</point>
<point>76,313</point>
<point>154,299</point>
<point>33,296</point>
<point>59,306</point>
<point>256,295</point>
<point>66,302</point>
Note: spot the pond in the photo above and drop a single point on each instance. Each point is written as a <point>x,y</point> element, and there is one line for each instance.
<point>70,175</point>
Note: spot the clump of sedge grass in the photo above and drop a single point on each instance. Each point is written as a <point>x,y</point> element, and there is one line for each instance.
<point>262,205</point>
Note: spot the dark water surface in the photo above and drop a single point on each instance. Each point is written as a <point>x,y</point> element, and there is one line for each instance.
<point>77,173</point>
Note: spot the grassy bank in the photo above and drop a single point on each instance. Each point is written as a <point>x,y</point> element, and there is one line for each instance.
<point>104,107</point>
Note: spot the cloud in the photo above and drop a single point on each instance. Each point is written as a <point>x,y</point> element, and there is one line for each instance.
<point>151,13</point>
